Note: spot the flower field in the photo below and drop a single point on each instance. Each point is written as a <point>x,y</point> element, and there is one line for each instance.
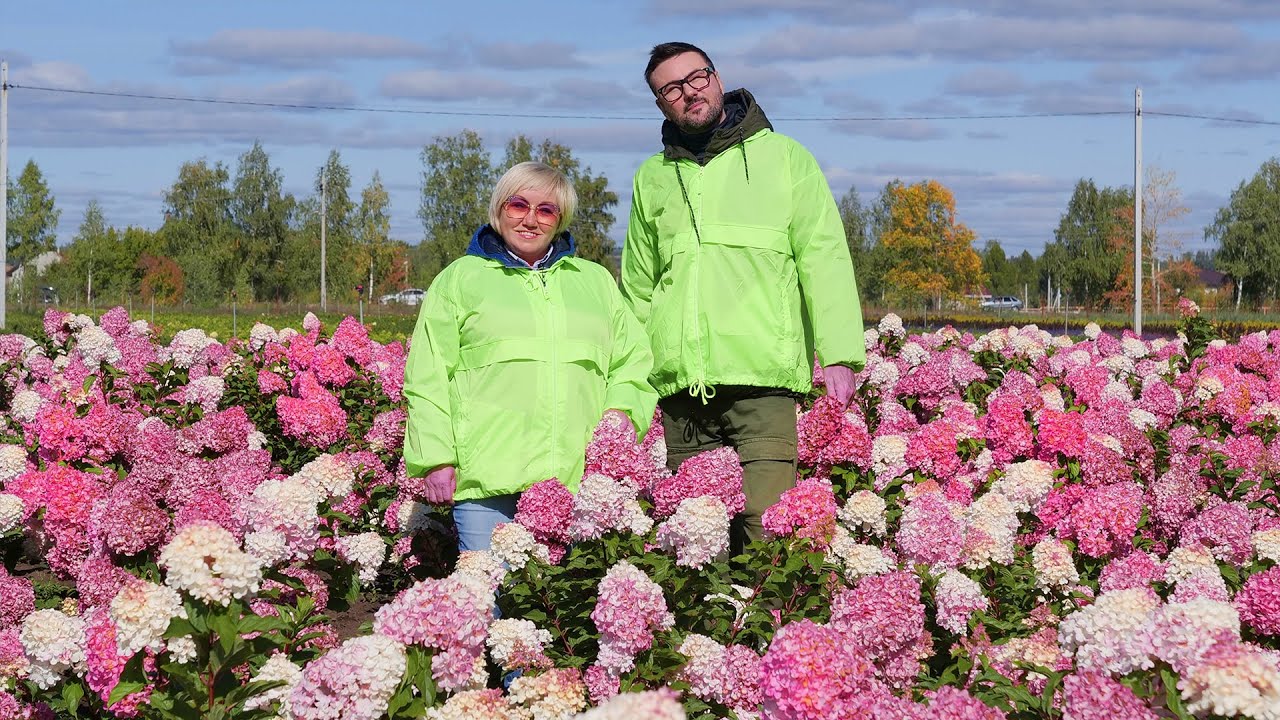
<point>1015,525</point>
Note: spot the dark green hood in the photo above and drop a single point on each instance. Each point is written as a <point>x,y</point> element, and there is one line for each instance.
<point>743,118</point>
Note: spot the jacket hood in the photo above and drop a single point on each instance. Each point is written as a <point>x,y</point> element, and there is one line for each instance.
<point>487,243</point>
<point>743,118</point>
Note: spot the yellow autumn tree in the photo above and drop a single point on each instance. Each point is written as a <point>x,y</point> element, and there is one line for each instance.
<point>931,255</point>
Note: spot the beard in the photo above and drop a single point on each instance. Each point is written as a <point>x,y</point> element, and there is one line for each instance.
<point>714,110</point>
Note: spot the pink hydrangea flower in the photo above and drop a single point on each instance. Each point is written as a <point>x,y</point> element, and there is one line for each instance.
<point>1259,602</point>
<point>546,509</point>
<point>806,511</point>
<point>630,609</point>
<point>828,436</point>
<point>810,673</point>
<point>716,472</point>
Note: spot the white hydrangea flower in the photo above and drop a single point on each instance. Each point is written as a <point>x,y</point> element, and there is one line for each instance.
<point>865,511</point>
<point>331,477</point>
<point>650,705</point>
<point>1053,564</point>
<point>603,504</point>
<point>855,558</point>
<point>957,596</point>
<point>1182,631</point>
<point>13,462</point>
<point>269,546</point>
<point>1133,348</point>
<point>11,510</point>
<point>697,531</point>
<point>25,406</point>
<point>186,346</point>
<point>1244,682</point>
<point>889,456</point>
<point>1207,388</point>
<point>1092,331</point>
<point>513,643</point>
<point>97,347</point>
<point>871,339</point>
<point>183,649</point>
<point>1052,398</point>
<point>515,545</point>
<point>257,440</point>
<point>287,506</point>
<point>991,527</point>
<point>261,335</point>
<point>54,643</point>
<point>1112,634</point>
<point>891,325</point>
<point>142,611</point>
<point>914,354</point>
<point>1142,419</point>
<point>1025,484</point>
<point>277,668</point>
<point>1267,544</point>
<point>205,391</point>
<point>367,551</point>
<point>883,375</point>
<point>1186,562</point>
<point>204,560</point>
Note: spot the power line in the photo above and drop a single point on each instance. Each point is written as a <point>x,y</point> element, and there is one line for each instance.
<point>544,116</point>
<point>1211,117</point>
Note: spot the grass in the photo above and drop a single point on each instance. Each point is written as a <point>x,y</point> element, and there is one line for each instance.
<point>389,323</point>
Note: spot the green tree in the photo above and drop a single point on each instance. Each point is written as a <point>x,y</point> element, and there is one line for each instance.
<point>32,216</point>
<point>1088,266</point>
<point>198,232</point>
<point>1247,231</point>
<point>457,179</point>
<point>998,269</point>
<point>261,213</point>
<point>857,221</point>
<point>373,233</point>
<point>343,268</point>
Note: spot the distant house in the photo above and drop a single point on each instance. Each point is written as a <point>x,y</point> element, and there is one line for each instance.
<point>39,265</point>
<point>1212,280</point>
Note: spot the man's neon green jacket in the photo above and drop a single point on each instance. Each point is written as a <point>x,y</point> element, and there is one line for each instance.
<point>763,281</point>
<point>510,369</point>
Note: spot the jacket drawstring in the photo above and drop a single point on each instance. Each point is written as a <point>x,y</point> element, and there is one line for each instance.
<point>742,145</point>
<point>701,390</point>
<point>693,220</point>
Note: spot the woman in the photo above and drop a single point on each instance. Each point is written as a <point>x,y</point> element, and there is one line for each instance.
<point>519,349</point>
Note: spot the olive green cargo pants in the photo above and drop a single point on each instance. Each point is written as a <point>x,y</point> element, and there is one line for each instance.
<point>758,423</point>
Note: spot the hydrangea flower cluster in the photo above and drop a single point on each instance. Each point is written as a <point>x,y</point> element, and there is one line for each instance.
<point>630,609</point>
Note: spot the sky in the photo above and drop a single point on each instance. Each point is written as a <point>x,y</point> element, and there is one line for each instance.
<point>877,90</point>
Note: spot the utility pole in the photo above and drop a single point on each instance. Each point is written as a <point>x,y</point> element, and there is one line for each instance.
<point>1137,211</point>
<point>4,187</point>
<point>324,221</point>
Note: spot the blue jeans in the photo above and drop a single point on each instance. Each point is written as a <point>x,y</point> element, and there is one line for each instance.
<point>476,519</point>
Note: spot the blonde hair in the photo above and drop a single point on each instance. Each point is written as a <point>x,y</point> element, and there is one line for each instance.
<point>534,175</point>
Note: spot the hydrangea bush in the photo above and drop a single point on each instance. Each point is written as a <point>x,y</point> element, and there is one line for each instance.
<point>1016,525</point>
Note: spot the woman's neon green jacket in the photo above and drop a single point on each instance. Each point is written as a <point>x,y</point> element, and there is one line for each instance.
<point>510,369</point>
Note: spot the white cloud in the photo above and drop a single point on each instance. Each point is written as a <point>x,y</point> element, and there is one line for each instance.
<point>295,49</point>
<point>441,85</point>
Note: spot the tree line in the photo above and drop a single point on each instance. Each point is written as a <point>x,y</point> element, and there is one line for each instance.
<point>239,235</point>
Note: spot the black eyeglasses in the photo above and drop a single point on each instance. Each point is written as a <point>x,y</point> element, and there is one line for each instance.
<point>697,80</point>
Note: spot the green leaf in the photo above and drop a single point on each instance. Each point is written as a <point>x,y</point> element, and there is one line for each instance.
<point>72,694</point>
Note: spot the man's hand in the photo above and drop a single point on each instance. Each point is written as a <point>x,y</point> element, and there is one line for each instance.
<point>839,381</point>
<point>441,484</point>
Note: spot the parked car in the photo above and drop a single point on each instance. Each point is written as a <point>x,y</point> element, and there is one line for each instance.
<point>410,296</point>
<point>1002,302</point>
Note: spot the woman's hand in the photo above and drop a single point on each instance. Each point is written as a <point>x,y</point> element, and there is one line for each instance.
<point>441,484</point>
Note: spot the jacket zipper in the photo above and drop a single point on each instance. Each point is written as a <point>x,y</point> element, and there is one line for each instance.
<point>555,371</point>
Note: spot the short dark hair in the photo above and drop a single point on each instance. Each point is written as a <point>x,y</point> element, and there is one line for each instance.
<point>664,52</point>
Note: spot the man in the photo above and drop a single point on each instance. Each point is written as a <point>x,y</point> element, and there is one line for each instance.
<point>736,262</point>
